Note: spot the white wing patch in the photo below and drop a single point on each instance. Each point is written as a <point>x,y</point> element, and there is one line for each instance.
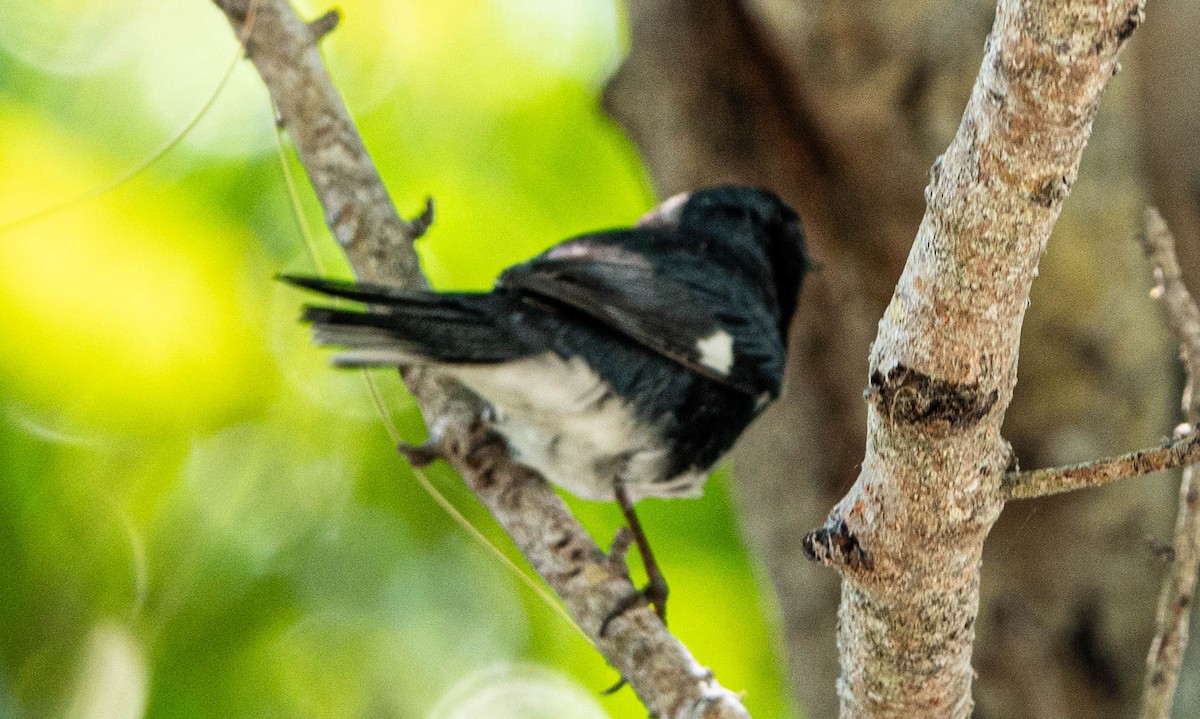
<point>716,351</point>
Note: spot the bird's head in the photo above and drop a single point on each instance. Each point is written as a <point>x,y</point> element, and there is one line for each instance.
<point>750,223</point>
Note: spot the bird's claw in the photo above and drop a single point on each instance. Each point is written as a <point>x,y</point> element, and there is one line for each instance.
<point>653,594</point>
<point>633,600</point>
<point>615,687</point>
<point>656,593</point>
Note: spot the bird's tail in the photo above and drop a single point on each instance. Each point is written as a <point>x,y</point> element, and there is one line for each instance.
<point>406,327</point>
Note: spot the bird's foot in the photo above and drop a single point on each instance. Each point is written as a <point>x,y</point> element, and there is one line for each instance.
<point>630,601</point>
<point>618,551</point>
<point>654,593</point>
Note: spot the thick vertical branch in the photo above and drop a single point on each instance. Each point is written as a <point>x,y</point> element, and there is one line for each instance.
<point>865,96</point>
<point>909,535</point>
<point>378,244</point>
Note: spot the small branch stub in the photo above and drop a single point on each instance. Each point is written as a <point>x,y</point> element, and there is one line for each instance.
<point>834,545</point>
<point>324,25</point>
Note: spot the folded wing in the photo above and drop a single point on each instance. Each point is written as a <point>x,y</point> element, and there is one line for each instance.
<point>699,315</point>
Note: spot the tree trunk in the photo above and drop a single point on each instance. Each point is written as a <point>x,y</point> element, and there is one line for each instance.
<point>842,108</point>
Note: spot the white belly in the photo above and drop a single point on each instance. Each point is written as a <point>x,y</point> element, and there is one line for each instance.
<point>560,419</point>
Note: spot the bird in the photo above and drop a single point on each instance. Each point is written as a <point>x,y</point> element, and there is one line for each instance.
<point>620,364</point>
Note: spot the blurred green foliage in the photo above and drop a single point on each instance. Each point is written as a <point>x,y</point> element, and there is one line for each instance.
<point>197,516</point>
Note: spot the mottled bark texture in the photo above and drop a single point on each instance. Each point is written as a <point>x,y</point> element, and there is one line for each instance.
<point>842,107</point>
<point>943,366</point>
<point>378,244</point>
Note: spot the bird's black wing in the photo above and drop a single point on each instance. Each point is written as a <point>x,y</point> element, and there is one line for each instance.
<point>691,311</point>
<point>404,327</point>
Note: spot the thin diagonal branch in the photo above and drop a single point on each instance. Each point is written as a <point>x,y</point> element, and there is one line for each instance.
<point>378,244</point>
<point>1183,316</point>
<point>1179,586</point>
<point>1033,483</point>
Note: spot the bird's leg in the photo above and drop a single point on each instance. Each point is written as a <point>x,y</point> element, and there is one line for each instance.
<point>655,591</point>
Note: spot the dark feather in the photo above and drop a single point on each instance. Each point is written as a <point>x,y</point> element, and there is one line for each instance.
<point>415,327</point>
<point>646,351</point>
<point>369,292</point>
<point>607,276</point>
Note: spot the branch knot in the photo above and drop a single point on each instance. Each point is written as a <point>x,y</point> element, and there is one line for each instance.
<point>909,397</point>
<point>834,545</point>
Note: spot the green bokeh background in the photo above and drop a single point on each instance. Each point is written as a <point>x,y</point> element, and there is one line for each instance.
<point>198,517</point>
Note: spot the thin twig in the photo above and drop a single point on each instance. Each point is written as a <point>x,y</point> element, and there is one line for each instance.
<point>379,246</point>
<point>1097,473</point>
<point>1179,586</point>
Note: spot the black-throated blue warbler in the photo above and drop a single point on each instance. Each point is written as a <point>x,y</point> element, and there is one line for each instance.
<point>620,364</point>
